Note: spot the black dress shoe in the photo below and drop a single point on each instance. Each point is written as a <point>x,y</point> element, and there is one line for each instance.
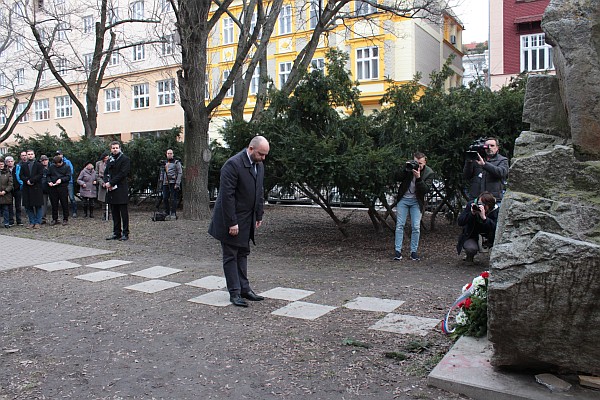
<point>124,237</point>
<point>113,237</point>
<point>252,296</point>
<point>237,300</point>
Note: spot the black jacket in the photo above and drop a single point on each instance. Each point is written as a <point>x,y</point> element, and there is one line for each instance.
<point>33,194</point>
<point>491,177</point>
<point>473,226</point>
<point>62,172</point>
<point>117,173</point>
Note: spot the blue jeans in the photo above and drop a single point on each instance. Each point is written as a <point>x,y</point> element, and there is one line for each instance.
<point>170,203</point>
<point>72,198</point>
<point>34,214</point>
<point>4,208</point>
<point>405,206</point>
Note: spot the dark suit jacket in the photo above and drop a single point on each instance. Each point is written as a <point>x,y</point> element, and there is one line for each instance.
<point>33,195</point>
<point>240,201</point>
<point>116,173</point>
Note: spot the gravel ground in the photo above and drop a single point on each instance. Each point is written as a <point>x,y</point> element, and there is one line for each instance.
<point>66,338</point>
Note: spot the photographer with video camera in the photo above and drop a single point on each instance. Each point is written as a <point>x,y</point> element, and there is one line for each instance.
<point>485,169</point>
<point>169,180</point>
<point>415,181</point>
<point>479,217</point>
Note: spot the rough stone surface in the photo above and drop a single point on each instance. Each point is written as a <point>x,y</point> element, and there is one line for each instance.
<point>543,108</point>
<point>573,28</point>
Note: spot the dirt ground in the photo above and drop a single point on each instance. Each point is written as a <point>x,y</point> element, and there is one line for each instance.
<point>62,337</point>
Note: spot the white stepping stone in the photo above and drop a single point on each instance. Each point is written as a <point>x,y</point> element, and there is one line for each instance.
<point>156,272</point>
<point>374,304</point>
<point>289,294</point>
<point>217,298</point>
<point>209,282</point>
<point>153,286</point>
<point>57,266</point>
<point>303,310</point>
<point>108,264</point>
<point>405,324</point>
<point>100,276</point>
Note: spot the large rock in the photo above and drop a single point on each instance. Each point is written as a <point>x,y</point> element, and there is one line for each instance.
<point>573,29</point>
<point>543,108</point>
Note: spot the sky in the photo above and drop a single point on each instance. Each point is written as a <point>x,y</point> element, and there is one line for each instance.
<point>474,14</point>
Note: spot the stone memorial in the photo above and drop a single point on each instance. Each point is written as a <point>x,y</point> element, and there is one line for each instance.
<point>544,294</point>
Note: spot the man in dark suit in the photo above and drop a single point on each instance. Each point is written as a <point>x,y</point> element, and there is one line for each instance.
<point>238,212</point>
<point>33,194</point>
<point>117,195</point>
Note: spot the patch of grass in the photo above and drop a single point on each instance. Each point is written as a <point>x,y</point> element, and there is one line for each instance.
<point>396,355</point>
<point>417,345</point>
<point>355,343</point>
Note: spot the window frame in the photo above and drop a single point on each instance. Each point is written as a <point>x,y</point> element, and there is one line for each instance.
<point>367,64</point>
<point>112,100</point>
<point>88,24</point>
<point>115,58</point>
<point>531,53</point>
<point>285,68</point>
<point>138,55</point>
<point>165,93</point>
<point>20,76</point>
<point>318,64</point>
<point>362,8</point>
<point>168,46</point>
<point>63,107</point>
<point>231,90</point>
<point>255,81</point>
<point>284,20</point>
<point>140,94</point>
<point>313,14</point>
<point>20,108</point>
<point>62,65</point>
<point>41,110</point>
<point>2,115</point>
<point>88,59</point>
<point>136,10</point>
<point>228,30</point>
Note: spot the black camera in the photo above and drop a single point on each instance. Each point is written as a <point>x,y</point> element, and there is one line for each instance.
<point>475,207</point>
<point>477,147</point>
<point>162,163</point>
<point>411,165</point>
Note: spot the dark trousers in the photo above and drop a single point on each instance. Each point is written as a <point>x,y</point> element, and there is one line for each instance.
<point>235,266</point>
<point>170,198</point>
<point>16,213</point>
<point>120,214</point>
<point>59,194</point>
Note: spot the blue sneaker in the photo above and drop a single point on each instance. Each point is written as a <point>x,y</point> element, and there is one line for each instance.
<point>414,256</point>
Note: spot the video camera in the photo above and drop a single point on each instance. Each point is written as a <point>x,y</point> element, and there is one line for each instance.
<point>411,165</point>
<point>477,147</point>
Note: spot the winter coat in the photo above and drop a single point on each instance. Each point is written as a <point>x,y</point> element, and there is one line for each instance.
<point>491,177</point>
<point>100,168</point>
<point>240,201</point>
<point>87,177</point>
<point>6,185</point>
<point>62,172</point>
<point>422,185</point>
<point>45,172</point>
<point>33,192</point>
<point>116,173</point>
<point>473,226</point>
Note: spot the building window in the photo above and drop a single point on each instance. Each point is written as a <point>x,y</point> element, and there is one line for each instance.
<point>367,63</point>
<point>364,8</point>
<point>285,20</point>
<point>62,65</point>
<point>231,90</point>
<point>284,72</point>
<point>139,52</point>
<point>318,64</point>
<point>20,108</point>
<point>2,81</point>
<point>141,96</point>
<point>227,31</point>
<point>253,23</point>
<point>314,14</point>
<point>112,100</point>
<point>87,61</point>
<point>19,9</point>
<point>42,110</point>
<point>63,107</point>
<point>165,6</point>
<point>166,92</point>
<point>137,10</point>
<point>536,55</point>
<point>61,31</point>
<point>113,16</point>
<point>88,24</point>
<point>255,82</point>
<point>20,79</point>
<point>19,43</point>
<point>2,115</point>
<point>115,58</point>
<point>168,44</point>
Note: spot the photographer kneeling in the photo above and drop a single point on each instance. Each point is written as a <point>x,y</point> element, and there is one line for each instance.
<point>478,218</point>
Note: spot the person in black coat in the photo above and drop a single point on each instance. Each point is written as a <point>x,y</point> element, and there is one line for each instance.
<point>33,194</point>
<point>117,191</point>
<point>237,213</point>
<point>59,175</point>
<point>479,217</point>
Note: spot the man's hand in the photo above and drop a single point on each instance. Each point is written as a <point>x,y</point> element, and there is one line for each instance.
<point>480,160</point>
<point>258,224</point>
<point>416,173</point>
<point>234,230</point>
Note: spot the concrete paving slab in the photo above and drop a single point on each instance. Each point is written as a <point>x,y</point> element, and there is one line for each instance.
<point>57,266</point>
<point>288,294</point>
<point>100,276</point>
<point>405,324</point>
<point>466,369</point>
<point>153,286</point>
<point>217,298</point>
<point>209,282</point>
<point>374,304</point>
<point>108,264</point>
<point>303,310</point>
<point>19,252</point>
<point>156,272</point>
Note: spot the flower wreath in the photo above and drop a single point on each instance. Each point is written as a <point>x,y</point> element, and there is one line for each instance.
<point>471,319</point>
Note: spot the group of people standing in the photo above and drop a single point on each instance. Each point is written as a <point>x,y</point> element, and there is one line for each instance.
<point>32,183</point>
